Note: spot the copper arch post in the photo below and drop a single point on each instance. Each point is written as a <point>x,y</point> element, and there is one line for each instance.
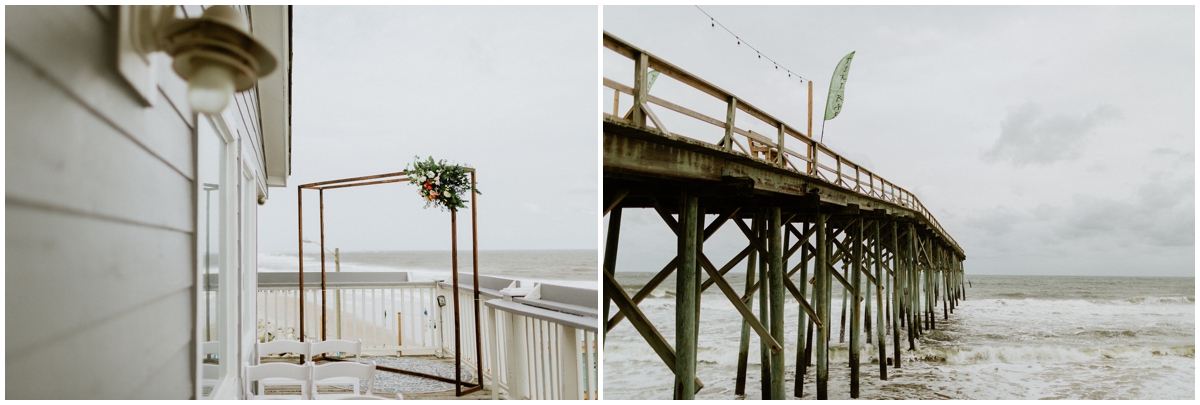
<point>395,178</point>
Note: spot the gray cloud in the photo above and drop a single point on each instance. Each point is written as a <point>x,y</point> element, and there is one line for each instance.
<point>1176,157</point>
<point>1156,216</point>
<point>996,222</point>
<point>1028,137</point>
<point>1159,213</point>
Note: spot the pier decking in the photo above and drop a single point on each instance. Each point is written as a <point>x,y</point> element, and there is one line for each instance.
<point>797,202</point>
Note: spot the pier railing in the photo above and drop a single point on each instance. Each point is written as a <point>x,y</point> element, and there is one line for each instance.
<point>526,351</point>
<point>804,157</point>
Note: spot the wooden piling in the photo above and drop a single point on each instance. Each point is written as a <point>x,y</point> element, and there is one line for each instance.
<point>945,289</point>
<point>699,225</point>
<point>764,311</point>
<point>610,255</point>
<point>685,302</point>
<point>856,309</point>
<point>931,292</point>
<point>910,273</point>
<point>895,285</point>
<point>821,293</point>
<point>845,292</point>
<point>879,298</point>
<point>866,292</point>
<point>809,346</point>
<point>801,342</point>
<point>777,297</point>
<point>744,346</point>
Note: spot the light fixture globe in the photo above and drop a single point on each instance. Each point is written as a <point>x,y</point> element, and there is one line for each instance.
<point>210,87</point>
<point>217,56</point>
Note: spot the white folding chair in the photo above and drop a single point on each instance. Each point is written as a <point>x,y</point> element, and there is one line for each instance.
<point>345,347</point>
<point>323,373</point>
<point>209,371</point>
<point>208,376</point>
<point>284,346</point>
<point>287,371</point>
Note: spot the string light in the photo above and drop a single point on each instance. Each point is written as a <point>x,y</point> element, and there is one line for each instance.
<point>713,22</point>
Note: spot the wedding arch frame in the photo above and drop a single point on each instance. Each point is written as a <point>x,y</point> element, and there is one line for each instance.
<point>396,178</point>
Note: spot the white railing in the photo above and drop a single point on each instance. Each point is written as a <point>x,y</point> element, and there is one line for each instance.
<point>389,313</point>
<point>546,336</point>
<point>537,342</point>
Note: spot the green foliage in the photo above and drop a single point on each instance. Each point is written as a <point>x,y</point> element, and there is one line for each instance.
<point>439,183</point>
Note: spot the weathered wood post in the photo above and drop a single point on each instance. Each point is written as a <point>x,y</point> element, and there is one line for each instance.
<point>879,294</point>
<point>964,280</point>
<point>777,297</point>
<point>845,291</point>
<point>925,291</point>
<point>895,286</point>
<point>812,151</point>
<point>801,342</point>
<point>764,304</point>
<point>821,292</point>
<point>699,252</point>
<point>685,301</point>
<point>730,117</point>
<point>958,281</point>
<point>910,273</point>
<point>945,279</point>
<point>930,288</point>
<point>780,157</point>
<point>868,258</point>
<point>744,346</point>
<point>641,88</point>
<point>856,309</point>
<point>610,257</point>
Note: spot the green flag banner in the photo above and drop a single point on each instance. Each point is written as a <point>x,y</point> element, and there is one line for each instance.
<point>837,87</point>
<point>650,78</point>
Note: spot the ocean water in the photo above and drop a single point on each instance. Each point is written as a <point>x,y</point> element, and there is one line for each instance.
<point>575,268</point>
<point>1013,337</point>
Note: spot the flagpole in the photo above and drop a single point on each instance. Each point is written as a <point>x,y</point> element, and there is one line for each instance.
<point>823,132</point>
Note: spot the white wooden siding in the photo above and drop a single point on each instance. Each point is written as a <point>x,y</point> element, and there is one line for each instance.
<point>100,208</point>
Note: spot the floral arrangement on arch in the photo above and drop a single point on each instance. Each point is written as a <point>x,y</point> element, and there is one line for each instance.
<point>439,183</point>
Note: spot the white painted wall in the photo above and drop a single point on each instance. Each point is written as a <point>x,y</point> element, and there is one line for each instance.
<point>101,204</point>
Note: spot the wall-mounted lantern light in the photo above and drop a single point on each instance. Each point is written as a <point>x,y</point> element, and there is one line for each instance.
<point>214,53</point>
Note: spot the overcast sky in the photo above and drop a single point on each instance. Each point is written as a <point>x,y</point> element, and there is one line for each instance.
<point>510,91</point>
<point>1045,140</point>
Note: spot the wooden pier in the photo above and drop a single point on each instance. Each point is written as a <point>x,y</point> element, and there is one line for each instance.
<point>810,217</point>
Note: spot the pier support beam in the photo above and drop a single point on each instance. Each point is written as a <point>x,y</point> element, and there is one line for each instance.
<point>801,342</point>
<point>821,293</point>
<point>764,310</point>
<point>895,247</point>
<point>777,297</point>
<point>610,256</point>
<point>879,298</point>
<point>856,308</point>
<point>744,346</point>
<point>911,293</point>
<point>685,301</point>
